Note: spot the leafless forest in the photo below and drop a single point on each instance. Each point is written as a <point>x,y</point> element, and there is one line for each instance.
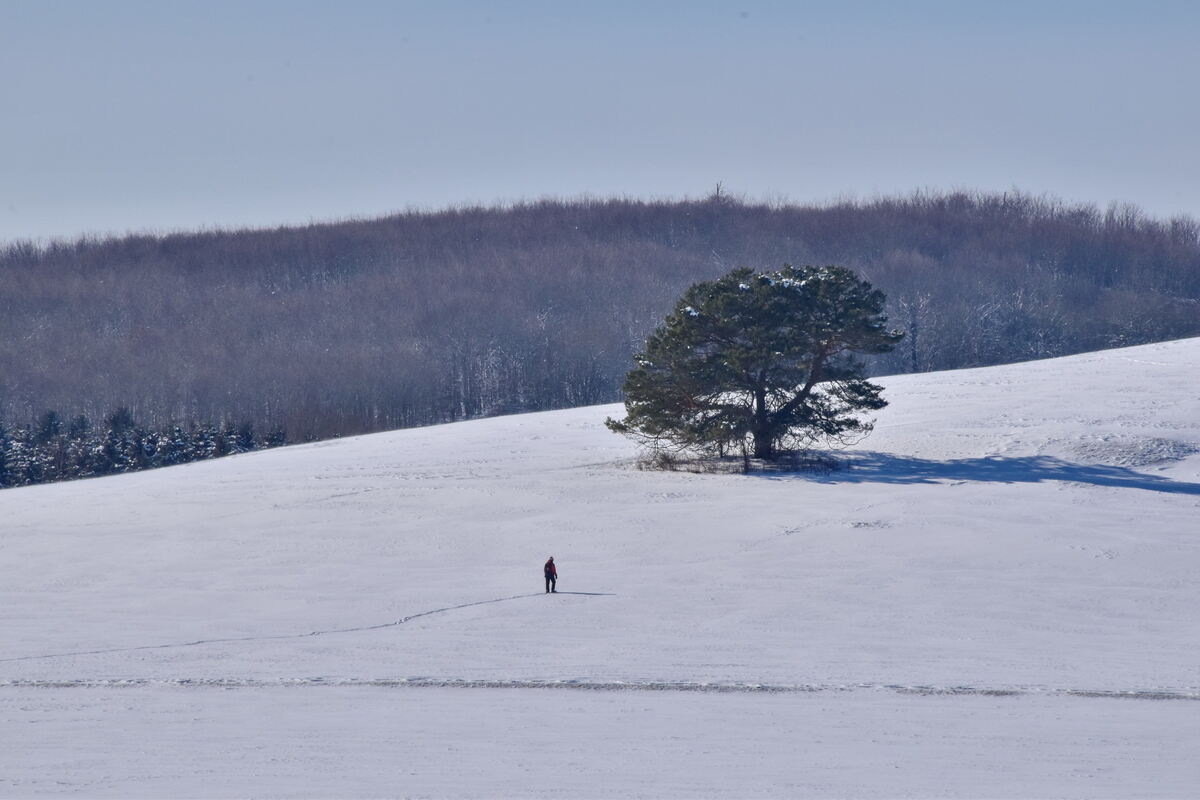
<point>417,318</point>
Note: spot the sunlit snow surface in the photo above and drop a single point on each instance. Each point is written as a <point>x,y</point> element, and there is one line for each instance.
<point>996,596</point>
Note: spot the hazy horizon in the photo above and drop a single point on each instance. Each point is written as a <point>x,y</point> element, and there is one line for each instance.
<point>139,116</point>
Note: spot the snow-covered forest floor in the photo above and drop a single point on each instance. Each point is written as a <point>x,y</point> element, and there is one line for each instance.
<point>996,596</point>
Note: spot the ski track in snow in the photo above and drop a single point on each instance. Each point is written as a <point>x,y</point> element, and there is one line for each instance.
<point>577,684</point>
<point>269,637</point>
<point>599,686</point>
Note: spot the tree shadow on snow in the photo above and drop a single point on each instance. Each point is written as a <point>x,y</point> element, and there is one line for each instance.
<point>873,467</point>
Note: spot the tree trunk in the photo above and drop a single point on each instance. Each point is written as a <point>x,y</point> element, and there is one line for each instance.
<point>764,445</point>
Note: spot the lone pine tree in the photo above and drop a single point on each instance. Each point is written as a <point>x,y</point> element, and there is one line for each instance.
<point>761,360</point>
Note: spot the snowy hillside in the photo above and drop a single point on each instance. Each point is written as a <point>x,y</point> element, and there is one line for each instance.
<point>997,596</point>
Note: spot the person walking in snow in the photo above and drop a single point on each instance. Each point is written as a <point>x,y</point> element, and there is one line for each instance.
<point>551,576</point>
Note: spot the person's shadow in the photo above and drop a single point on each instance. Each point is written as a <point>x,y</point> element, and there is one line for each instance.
<point>874,467</point>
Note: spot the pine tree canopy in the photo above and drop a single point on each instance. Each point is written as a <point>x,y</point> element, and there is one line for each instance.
<point>759,360</point>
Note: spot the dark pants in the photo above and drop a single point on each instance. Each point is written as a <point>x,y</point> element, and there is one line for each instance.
<point>550,581</point>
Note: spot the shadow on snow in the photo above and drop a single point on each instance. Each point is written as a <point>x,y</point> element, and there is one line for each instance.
<point>873,467</point>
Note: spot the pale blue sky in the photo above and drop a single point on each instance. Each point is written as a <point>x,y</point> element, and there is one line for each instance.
<point>122,115</point>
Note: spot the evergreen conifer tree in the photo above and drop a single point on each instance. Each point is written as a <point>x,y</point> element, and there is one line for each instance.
<point>49,426</point>
<point>24,461</point>
<point>759,361</point>
<point>243,440</point>
<point>79,427</point>
<point>175,446</point>
<point>204,442</point>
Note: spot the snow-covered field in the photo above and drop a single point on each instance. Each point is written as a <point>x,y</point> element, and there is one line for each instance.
<point>998,597</point>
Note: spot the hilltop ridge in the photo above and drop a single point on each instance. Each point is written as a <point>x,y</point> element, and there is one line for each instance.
<point>424,317</point>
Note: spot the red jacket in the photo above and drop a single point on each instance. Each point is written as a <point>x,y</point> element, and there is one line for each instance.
<point>550,571</point>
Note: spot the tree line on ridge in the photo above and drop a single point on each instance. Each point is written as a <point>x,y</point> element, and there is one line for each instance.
<point>426,317</point>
